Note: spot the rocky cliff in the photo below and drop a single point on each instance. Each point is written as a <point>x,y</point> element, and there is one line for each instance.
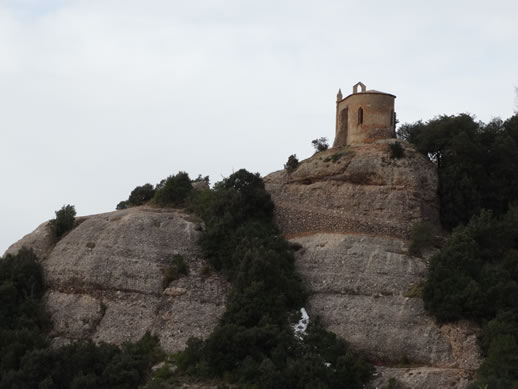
<point>351,209</point>
<point>358,188</point>
<point>105,278</point>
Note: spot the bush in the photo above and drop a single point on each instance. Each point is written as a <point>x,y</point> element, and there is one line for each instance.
<point>175,270</point>
<point>477,163</point>
<point>424,235</point>
<point>64,221</point>
<point>123,205</point>
<point>173,191</point>
<point>292,164</point>
<point>138,196</point>
<point>254,344</point>
<point>320,144</point>
<point>396,150</point>
<point>141,194</point>
<point>475,276</point>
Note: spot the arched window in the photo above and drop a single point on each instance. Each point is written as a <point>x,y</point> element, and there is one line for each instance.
<point>360,116</point>
<point>345,119</point>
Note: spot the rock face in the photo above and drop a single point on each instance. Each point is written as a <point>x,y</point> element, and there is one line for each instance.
<point>350,210</point>
<point>105,279</point>
<point>357,188</point>
<point>351,218</point>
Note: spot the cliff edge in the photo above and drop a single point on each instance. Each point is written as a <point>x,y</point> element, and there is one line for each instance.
<point>351,210</point>
<point>105,279</point>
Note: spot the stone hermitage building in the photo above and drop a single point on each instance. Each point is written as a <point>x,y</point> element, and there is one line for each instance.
<point>364,116</point>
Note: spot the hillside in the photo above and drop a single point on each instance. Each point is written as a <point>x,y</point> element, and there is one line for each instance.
<point>351,210</point>
<point>105,278</point>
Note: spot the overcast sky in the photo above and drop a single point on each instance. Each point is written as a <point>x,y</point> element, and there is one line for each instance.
<point>99,96</point>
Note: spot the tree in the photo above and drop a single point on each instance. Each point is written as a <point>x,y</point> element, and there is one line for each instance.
<point>174,190</point>
<point>477,163</point>
<point>141,194</point>
<point>320,144</point>
<point>292,163</point>
<point>64,221</point>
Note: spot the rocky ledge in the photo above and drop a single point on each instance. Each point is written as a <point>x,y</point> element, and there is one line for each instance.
<point>358,188</point>
<point>105,278</point>
<point>351,210</point>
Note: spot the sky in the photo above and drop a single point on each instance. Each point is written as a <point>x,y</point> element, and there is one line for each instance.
<point>100,96</point>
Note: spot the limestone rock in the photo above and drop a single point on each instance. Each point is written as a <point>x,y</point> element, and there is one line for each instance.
<point>421,377</point>
<point>349,210</point>
<point>357,188</point>
<point>359,285</point>
<point>105,279</point>
<point>41,240</point>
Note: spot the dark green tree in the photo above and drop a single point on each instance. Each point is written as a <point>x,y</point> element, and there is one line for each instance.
<point>173,191</point>
<point>320,144</point>
<point>141,194</point>
<point>292,164</point>
<point>64,221</point>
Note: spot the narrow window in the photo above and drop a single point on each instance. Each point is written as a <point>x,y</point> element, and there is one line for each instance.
<point>345,119</point>
<point>360,116</point>
<point>392,118</point>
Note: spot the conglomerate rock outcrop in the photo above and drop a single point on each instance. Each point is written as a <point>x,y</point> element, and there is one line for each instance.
<point>105,279</point>
<point>358,188</point>
<point>351,210</point>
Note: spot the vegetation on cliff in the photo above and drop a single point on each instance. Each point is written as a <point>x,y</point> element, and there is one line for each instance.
<point>475,275</point>
<point>26,359</point>
<point>477,163</point>
<point>64,221</point>
<point>254,344</point>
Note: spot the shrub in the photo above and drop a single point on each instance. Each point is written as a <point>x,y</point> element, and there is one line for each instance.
<point>475,277</point>
<point>424,235</point>
<point>292,164</point>
<point>254,345</point>
<point>320,144</point>
<point>123,205</point>
<point>141,194</point>
<point>396,150</point>
<point>64,221</point>
<point>175,270</point>
<point>173,191</point>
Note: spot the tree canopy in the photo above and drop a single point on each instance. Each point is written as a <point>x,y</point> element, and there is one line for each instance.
<point>477,163</point>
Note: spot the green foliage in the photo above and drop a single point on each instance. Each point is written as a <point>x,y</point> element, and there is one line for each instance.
<point>141,194</point>
<point>123,205</point>
<point>475,276</point>
<point>23,320</point>
<point>254,344</point>
<point>424,235</point>
<point>64,221</point>
<point>477,163</point>
<point>292,164</point>
<point>396,150</point>
<point>173,191</point>
<point>138,196</point>
<point>320,144</point>
<point>27,361</point>
<point>86,365</point>
<point>175,270</point>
